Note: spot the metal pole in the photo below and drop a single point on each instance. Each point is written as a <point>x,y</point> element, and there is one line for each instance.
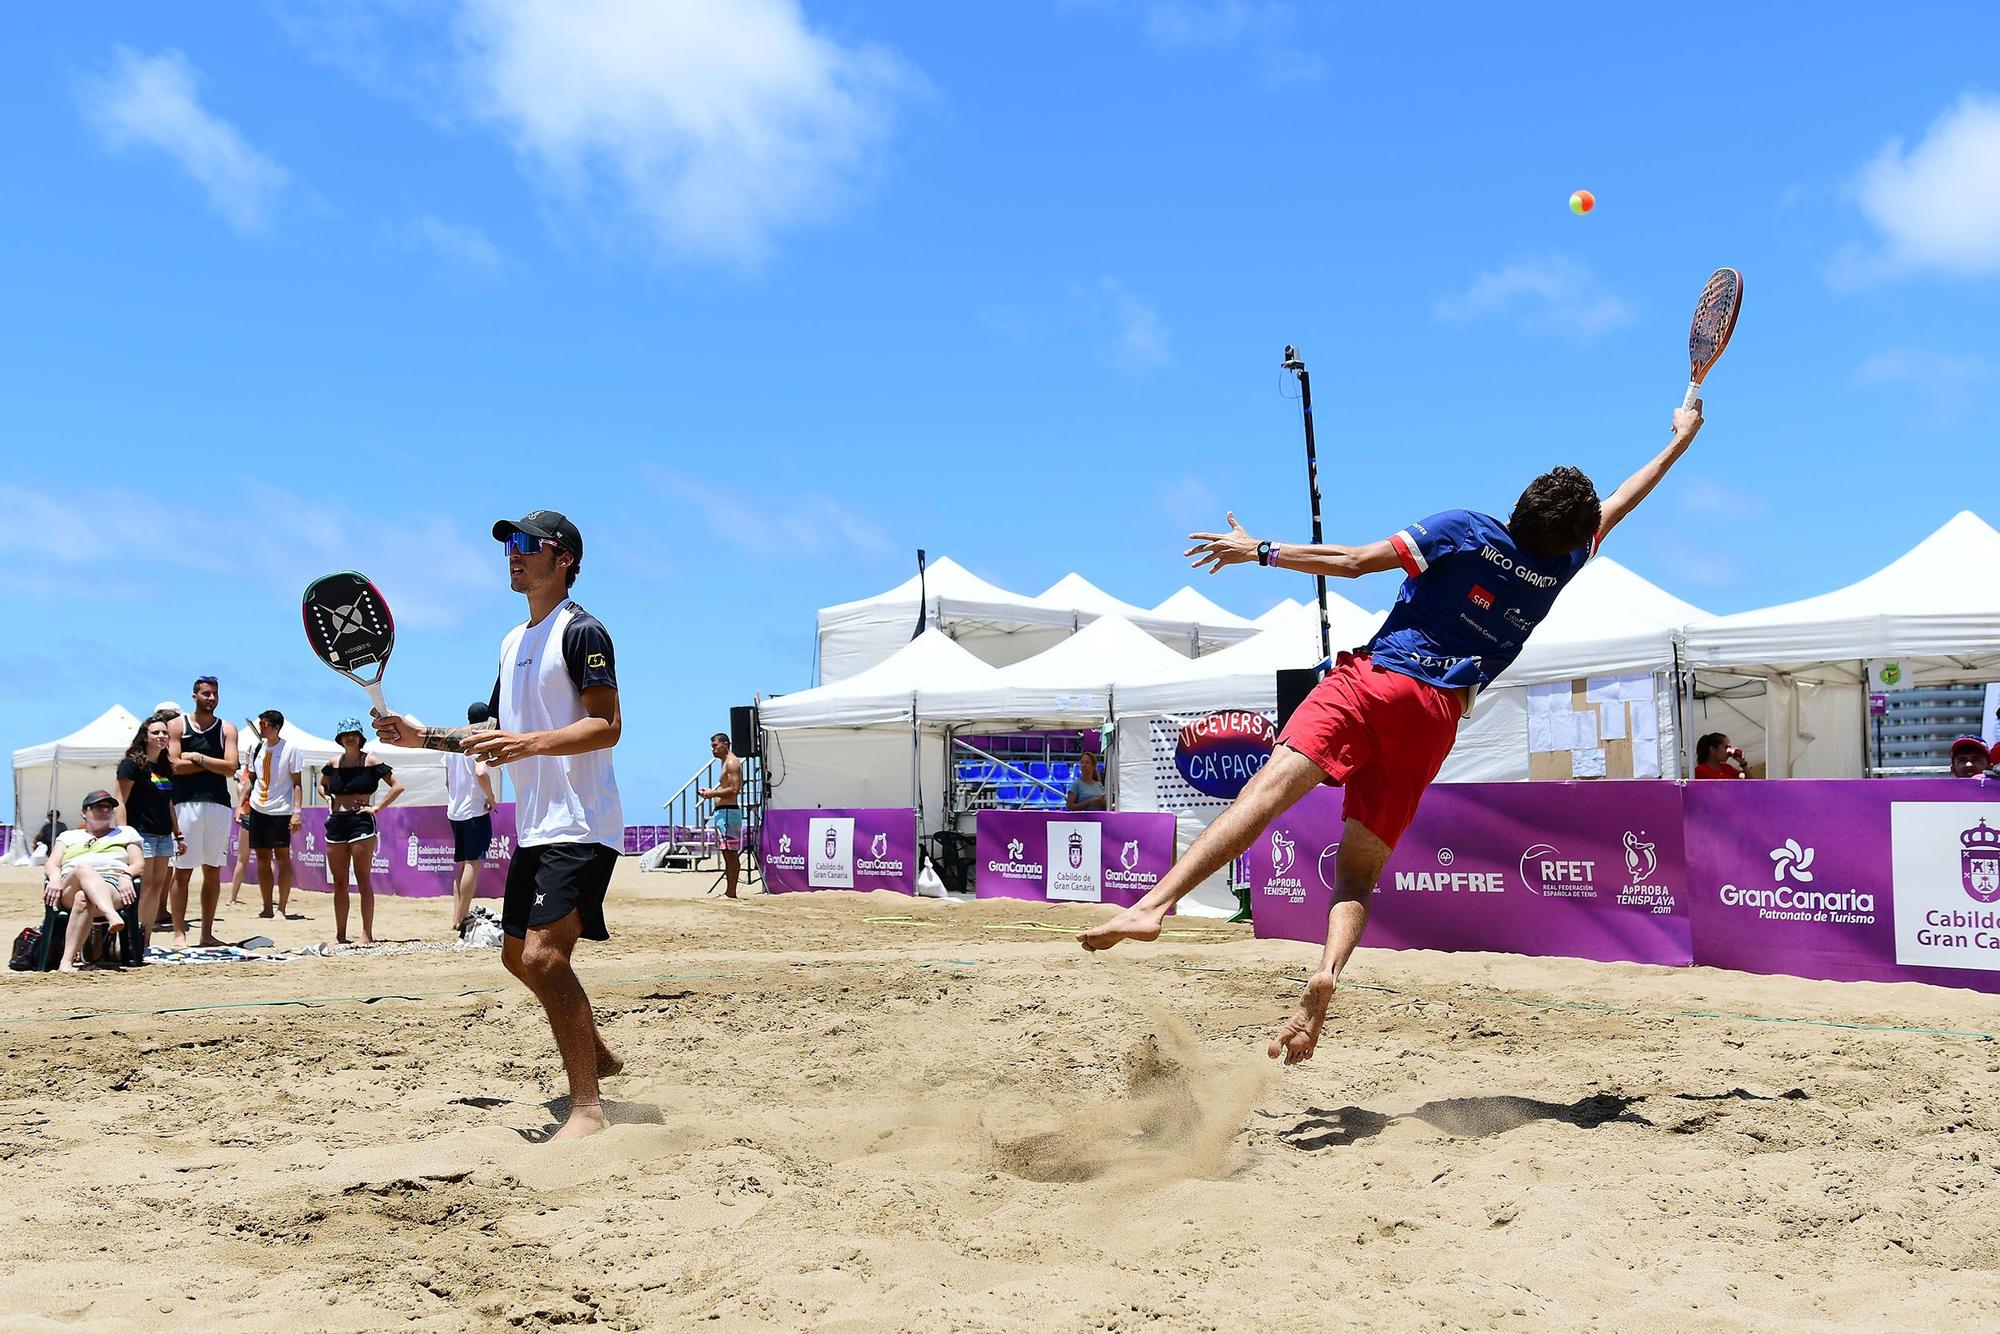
<point>1296,364</point>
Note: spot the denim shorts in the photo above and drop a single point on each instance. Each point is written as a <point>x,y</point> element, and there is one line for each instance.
<point>156,845</point>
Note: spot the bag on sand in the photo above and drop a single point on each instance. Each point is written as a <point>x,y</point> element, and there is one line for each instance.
<point>27,948</point>
<point>481,930</point>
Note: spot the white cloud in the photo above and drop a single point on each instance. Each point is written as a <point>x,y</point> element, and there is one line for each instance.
<point>774,525</point>
<point>1944,383</point>
<point>1136,338</point>
<point>1548,293</point>
<point>1936,206</point>
<point>712,124</point>
<point>1220,23</point>
<point>152,102</point>
<point>468,253</point>
<point>1190,500</point>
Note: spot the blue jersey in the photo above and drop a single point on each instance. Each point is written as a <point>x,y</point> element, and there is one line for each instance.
<point>1472,598</point>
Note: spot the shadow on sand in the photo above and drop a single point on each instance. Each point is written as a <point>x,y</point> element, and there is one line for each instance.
<point>1461,1118</point>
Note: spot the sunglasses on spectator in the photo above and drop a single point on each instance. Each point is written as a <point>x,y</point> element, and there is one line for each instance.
<point>526,544</point>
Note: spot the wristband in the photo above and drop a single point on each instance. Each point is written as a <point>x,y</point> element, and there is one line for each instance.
<point>1263,553</point>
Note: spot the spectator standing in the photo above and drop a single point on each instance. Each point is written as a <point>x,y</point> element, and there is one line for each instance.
<point>146,793</point>
<point>349,784</point>
<point>91,870</point>
<point>246,857</point>
<point>1969,757</point>
<point>1714,757</point>
<point>469,805</point>
<point>273,797</point>
<point>1086,790</point>
<point>727,794</point>
<point>202,749</point>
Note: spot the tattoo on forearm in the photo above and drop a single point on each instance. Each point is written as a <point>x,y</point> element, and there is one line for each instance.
<point>452,739</point>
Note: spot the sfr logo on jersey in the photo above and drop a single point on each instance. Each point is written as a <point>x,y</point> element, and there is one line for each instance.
<point>1481,598</point>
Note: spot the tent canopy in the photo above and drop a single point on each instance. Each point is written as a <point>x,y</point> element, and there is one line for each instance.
<point>1937,600</point>
<point>1190,605</point>
<point>883,693</point>
<point>1069,684</point>
<point>1278,613</point>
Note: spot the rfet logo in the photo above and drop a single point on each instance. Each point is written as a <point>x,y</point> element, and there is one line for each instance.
<point>1219,753</point>
<point>1979,862</point>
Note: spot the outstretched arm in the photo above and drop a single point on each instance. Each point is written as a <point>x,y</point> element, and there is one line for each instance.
<point>1236,547</point>
<point>1687,422</point>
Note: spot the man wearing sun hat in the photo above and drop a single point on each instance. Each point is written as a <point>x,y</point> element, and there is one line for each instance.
<point>1970,758</point>
<point>556,700</point>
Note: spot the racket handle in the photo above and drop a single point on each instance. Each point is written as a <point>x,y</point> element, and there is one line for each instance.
<point>375,694</point>
<point>1693,393</point>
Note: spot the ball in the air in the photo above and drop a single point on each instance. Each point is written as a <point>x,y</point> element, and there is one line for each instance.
<point>1582,202</point>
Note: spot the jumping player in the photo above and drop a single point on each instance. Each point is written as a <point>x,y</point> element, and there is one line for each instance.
<point>1383,719</point>
<point>556,700</point>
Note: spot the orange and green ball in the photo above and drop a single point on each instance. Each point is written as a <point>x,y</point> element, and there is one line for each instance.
<point>1582,202</point>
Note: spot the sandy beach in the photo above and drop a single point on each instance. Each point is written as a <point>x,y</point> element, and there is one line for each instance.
<point>865,1112</point>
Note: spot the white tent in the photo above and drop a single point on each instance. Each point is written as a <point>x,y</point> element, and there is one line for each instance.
<point>859,741</point>
<point>995,625</point>
<point>57,775</point>
<point>1068,685</point>
<point>1278,613</point>
<point>1935,610</point>
<point>1190,605</point>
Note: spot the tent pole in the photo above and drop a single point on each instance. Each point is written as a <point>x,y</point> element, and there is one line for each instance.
<point>1682,707</point>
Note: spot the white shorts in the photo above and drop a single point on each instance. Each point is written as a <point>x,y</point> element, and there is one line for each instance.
<point>206,827</point>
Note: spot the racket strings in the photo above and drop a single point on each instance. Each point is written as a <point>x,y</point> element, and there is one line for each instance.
<point>1714,318</point>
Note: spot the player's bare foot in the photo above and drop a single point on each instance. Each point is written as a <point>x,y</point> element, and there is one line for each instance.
<point>267,913</point>
<point>212,942</point>
<point>1135,923</point>
<point>180,940</point>
<point>585,1118</point>
<point>1300,1033</point>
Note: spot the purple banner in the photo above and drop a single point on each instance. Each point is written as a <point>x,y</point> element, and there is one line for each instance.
<point>1591,870</point>
<point>1885,880</point>
<point>1072,857</point>
<point>856,848</point>
<point>6,840</point>
<point>412,856</point>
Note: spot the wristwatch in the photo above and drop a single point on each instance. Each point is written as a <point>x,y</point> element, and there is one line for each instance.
<point>1263,553</point>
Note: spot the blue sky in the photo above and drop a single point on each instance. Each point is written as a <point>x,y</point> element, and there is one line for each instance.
<point>767,295</point>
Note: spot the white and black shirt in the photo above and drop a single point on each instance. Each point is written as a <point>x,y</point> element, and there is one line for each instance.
<point>544,670</point>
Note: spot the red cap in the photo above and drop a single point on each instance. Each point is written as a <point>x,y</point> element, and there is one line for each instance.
<point>1970,743</point>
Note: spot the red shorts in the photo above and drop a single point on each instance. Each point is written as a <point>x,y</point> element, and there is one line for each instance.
<point>1381,735</point>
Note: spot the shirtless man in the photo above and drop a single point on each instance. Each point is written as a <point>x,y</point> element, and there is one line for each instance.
<point>202,749</point>
<point>727,795</point>
<point>1381,722</point>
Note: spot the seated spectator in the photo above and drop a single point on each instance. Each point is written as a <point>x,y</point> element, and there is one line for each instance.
<point>44,840</point>
<point>1969,757</point>
<point>93,870</point>
<point>1714,757</point>
<point>1086,790</point>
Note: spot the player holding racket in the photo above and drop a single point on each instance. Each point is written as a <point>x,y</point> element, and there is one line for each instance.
<point>1383,719</point>
<point>556,699</point>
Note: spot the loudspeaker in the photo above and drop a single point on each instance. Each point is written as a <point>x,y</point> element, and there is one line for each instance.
<point>1294,684</point>
<point>744,734</point>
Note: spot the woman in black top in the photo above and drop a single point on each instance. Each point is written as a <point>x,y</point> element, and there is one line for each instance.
<point>349,784</point>
<point>146,795</point>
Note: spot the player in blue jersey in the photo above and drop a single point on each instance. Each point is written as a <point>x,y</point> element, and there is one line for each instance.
<point>1381,722</point>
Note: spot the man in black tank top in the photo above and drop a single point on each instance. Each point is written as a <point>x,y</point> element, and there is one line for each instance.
<point>202,748</point>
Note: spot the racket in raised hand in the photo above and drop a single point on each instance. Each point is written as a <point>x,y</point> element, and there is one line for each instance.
<point>350,629</point>
<point>1714,321</point>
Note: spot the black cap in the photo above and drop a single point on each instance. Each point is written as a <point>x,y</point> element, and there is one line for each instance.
<point>544,524</point>
<point>99,798</point>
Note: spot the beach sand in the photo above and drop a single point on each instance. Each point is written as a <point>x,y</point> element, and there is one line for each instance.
<point>866,1112</point>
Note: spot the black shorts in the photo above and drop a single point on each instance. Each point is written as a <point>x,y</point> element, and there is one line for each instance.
<point>268,831</point>
<point>349,826</point>
<point>548,882</point>
<point>471,838</point>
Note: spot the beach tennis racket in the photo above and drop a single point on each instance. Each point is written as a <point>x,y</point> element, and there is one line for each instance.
<point>1714,320</point>
<point>350,629</point>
